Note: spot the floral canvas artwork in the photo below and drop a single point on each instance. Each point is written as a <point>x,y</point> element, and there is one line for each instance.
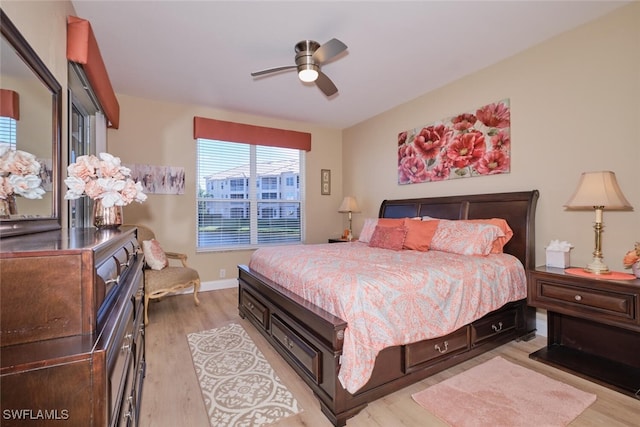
<point>474,143</point>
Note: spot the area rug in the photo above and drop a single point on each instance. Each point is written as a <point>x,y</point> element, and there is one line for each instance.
<point>238,385</point>
<point>501,393</point>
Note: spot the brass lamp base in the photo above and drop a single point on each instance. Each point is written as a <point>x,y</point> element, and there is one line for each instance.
<point>597,267</point>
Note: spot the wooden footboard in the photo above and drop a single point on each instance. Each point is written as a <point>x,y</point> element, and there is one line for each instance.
<point>310,339</point>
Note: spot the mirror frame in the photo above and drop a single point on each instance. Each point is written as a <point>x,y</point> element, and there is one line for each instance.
<point>20,226</point>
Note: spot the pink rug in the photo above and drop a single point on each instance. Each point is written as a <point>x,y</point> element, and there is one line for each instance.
<point>501,393</point>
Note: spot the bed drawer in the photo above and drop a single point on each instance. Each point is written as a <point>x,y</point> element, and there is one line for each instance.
<point>255,308</point>
<point>425,351</point>
<point>493,324</point>
<point>304,354</point>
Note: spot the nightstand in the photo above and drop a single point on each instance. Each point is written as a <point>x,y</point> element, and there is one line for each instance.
<point>341,240</point>
<point>593,327</point>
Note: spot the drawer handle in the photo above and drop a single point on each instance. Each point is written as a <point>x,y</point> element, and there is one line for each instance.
<point>110,281</point>
<point>578,297</point>
<point>251,306</point>
<point>446,347</point>
<point>288,343</point>
<point>497,328</point>
<point>127,343</point>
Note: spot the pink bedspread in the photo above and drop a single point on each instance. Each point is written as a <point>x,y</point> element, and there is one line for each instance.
<point>390,297</point>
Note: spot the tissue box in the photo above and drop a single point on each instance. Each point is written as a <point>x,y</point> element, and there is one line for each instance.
<point>558,259</point>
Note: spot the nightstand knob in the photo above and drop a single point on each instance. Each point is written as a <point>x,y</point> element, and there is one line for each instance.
<point>578,298</point>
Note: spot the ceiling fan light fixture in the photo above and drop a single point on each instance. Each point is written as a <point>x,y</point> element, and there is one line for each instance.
<point>310,56</point>
<point>308,73</point>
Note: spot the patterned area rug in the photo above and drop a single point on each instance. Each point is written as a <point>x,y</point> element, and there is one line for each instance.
<point>238,385</point>
<point>501,393</point>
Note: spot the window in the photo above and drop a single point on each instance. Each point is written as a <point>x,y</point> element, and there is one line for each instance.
<point>240,200</point>
<point>8,131</point>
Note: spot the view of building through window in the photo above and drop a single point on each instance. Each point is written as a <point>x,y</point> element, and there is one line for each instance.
<point>248,195</point>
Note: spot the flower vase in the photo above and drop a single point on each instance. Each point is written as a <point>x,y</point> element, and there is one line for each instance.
<point>8,206</point>
<point>635,267</point>
<point>106,217</point>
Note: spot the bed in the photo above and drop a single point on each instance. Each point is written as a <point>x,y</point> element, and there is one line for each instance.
<point>317,343</point>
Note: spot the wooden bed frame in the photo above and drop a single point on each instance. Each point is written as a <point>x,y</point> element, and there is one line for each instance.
<point>310,339</point>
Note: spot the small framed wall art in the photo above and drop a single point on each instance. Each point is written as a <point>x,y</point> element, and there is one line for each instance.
<point>325,182</point>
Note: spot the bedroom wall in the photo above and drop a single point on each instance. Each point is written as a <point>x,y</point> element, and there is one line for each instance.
<point>575,107</point>
<point>161,133</point>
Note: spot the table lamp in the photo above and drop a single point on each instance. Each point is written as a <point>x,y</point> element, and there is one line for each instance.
<point>349,205</point>
<point>598,191</point>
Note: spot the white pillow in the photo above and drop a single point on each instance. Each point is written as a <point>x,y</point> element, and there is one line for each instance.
<point>367,229</point>
<point>154,255</point>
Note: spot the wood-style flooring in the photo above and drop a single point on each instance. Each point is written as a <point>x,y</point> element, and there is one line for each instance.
<point>171,394</point>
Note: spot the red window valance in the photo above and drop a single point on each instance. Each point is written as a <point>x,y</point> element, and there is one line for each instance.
<point>249,134</point>
<point>9,104</point>
<point>82,48</point>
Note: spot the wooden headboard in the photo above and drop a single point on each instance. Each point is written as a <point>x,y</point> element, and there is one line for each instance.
<point>518,209</point>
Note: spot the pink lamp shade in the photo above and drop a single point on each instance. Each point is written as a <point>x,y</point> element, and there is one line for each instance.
<point>598,189</point>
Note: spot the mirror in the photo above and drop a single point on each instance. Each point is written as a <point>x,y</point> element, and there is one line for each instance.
<point>38,130</point>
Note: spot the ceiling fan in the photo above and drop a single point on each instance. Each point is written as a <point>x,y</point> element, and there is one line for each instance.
<point>310,55</point>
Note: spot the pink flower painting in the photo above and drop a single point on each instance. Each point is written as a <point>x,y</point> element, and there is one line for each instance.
<point>470,144</point>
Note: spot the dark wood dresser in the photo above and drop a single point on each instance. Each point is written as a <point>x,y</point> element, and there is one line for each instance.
<point>72,330</point>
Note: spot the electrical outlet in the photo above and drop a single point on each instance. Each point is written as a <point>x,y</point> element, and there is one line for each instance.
<point>223,273</point>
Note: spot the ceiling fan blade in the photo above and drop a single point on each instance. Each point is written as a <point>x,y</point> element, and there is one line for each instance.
<point>325,84</point>
<point>328,50</point>
<point>273,70</point>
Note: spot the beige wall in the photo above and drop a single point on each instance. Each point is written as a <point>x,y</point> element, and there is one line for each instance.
<point>575,106</point>
<point>161,133</point>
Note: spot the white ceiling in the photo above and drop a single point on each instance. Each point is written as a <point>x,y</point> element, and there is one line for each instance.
<point>202,52</point>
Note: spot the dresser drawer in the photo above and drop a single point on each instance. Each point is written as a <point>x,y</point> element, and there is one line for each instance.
<point>255,308</point>
<point>305,355</point>
<point>422,352</point>
<point>493,324</point>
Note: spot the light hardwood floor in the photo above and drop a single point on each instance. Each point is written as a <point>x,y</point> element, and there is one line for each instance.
<point>171,394</point>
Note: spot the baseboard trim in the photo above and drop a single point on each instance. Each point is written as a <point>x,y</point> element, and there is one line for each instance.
<point>213,286</point>
<point>218,284</point>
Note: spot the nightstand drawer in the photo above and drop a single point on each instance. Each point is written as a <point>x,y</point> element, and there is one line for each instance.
<point>613,303</point>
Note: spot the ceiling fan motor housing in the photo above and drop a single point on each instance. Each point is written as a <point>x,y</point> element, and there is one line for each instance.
<point>304,56</point>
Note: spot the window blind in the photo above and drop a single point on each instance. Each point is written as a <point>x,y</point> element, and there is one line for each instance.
<point>248,195</point>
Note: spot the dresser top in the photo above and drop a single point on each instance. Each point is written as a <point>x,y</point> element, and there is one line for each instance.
<point>74,239</point>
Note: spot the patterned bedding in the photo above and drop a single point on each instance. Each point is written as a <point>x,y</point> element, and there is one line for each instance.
<point>391,297</point>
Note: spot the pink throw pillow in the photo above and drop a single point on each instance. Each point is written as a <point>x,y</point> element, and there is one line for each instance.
<point>388,238</point>
<point>498,244</point>
<point>154,256</point>
<point>419,234</point>
<point>465,238</point>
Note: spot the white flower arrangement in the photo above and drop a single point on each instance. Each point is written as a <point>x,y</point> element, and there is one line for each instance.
<point>102,178</point>
<point>19,174</point>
